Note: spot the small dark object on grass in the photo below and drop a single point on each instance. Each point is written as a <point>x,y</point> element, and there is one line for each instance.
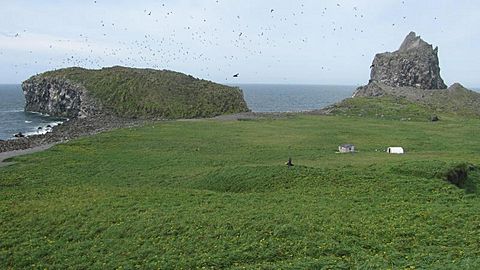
<point>434,118</point>
<point>289,162</point>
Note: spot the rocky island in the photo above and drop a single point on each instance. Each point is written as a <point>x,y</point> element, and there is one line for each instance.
<point>99,100</point>
<point>406,84</point>
<point>129,92</point>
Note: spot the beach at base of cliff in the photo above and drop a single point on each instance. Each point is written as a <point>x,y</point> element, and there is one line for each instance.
<point>76,128</point>
<point>70,130</point>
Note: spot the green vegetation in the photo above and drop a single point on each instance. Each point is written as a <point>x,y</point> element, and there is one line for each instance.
<point>213,194</point>
<point>160,93</point>
<point>407,103</point>
<point>392,108</point>
<point>457,100</point>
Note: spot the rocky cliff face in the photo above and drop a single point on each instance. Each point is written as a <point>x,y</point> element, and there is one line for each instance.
<point>58,97</point>
<point>405,85</point>
<point>414,64</point>
<point>129,93</point>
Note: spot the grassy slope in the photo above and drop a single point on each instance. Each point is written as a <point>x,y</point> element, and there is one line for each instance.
<point>217,195</point>
<point>147,92</point>
<point>403,105</point>
<point>393,108</point>
<point>457,101</point>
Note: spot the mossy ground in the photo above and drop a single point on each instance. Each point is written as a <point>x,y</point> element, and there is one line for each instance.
<point>413,104</point>
<point>212,194</point>
<point>391,108</point>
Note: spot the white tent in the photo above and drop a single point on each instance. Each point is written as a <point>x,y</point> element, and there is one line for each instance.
<point>395,150</point>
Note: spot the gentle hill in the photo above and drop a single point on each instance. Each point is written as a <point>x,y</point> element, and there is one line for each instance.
<point>217,195</point>
<point>408,103</point>
<point>129,92</point>
<point>387,107</point>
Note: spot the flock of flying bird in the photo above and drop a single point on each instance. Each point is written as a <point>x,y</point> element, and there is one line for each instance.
<point>160,50</point>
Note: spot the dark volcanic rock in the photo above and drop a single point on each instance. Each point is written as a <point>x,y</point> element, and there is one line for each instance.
<point>129,93</point>
<point>412,71</point>
<point>58,97</point>
<point>373,89</point>
<point>408,81</point>
<point>70,130</point>
<point>414,64</point>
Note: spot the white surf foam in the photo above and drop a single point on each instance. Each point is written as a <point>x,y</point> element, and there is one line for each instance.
<point>44,129</point>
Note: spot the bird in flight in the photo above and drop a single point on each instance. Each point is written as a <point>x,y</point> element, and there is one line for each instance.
<point>236,75</point>
<point>9,35</point>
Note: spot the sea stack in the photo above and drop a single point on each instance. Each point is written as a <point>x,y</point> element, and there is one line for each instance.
<point>414,64</point>
<point>412,75</point>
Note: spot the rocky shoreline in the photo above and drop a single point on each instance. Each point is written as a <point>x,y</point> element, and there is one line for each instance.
<point>71,129</point>
<point>118,97</point>
<point>76,128</point>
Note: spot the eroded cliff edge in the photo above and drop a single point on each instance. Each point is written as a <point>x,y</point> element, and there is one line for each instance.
<point>116,97</point>
<point>129,92</point>
<point>406,84</point>
<point>58,97</point>
<point>414,64</point>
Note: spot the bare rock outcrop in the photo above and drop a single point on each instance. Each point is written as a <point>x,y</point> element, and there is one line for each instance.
<point>407,84</point>
<point>415,64</point>
<point>58,97</point>
<point>129,93</point>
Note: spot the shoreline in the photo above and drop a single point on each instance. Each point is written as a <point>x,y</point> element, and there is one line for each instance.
<point>71,129</point>
<point>77,128</point>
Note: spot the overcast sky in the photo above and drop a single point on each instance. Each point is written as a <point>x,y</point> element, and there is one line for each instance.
<point>291,41</point>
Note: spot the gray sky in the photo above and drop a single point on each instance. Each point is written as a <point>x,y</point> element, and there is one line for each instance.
<point>294,41</point>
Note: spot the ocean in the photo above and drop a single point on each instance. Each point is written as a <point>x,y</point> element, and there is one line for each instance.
<point>13,118</point>
<point>259,97</point>
<point>293,97</point>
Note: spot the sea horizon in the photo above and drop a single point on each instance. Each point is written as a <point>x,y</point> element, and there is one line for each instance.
<point>259,98</point>
<point>14,119</point>
<point>476,88</point>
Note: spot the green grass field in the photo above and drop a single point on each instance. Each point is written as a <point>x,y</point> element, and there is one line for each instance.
<point>212,194</point>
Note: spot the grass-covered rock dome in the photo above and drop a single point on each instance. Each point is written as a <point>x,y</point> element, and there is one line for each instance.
<point>129,92</point>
